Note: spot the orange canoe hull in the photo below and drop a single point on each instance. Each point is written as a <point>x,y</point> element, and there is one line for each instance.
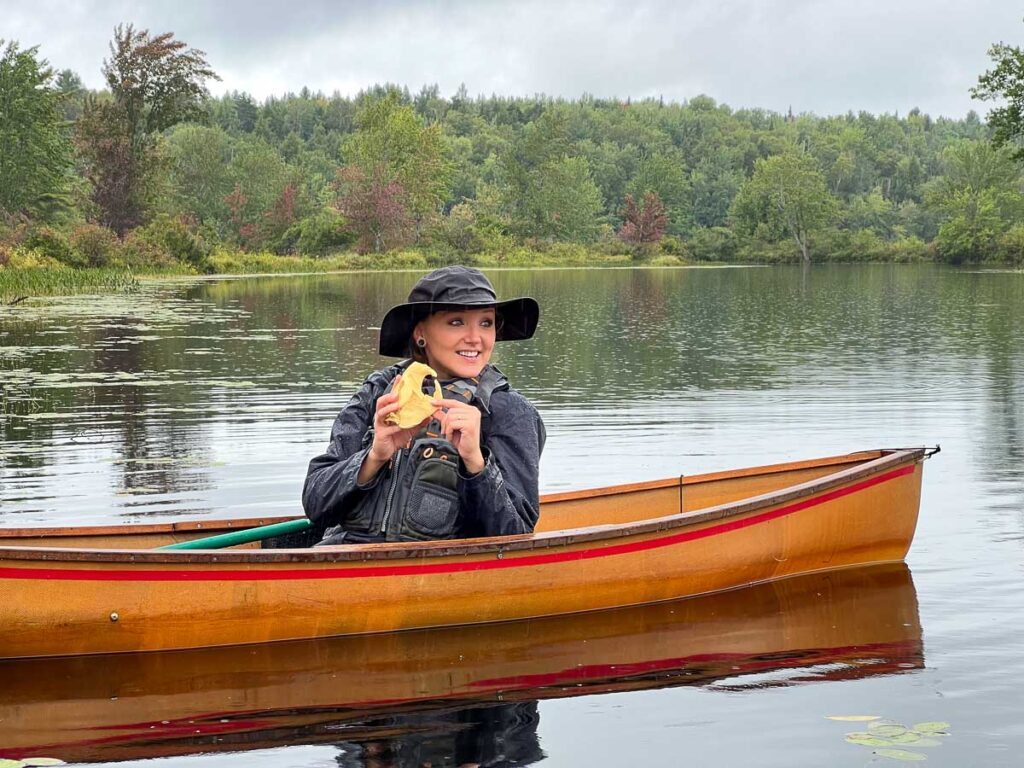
<point>611,548</point>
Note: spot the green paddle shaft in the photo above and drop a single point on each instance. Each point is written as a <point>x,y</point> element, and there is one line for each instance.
<point>243,537</point>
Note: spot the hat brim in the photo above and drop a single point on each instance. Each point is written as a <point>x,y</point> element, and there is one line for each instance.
<point>518,320</point>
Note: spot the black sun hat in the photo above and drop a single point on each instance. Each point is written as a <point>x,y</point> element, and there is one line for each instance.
<point>455,286</point>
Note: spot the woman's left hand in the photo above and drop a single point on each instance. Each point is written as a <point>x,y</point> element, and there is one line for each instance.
<point>461,427</point>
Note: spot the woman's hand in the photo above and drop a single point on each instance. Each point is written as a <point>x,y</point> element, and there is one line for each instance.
<point>387,438</point>
<point>460,425</point>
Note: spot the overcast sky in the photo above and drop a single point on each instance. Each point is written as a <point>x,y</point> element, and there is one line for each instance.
<point>822,56</point>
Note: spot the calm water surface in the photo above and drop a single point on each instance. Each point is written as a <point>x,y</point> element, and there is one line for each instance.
<point>195,399</point>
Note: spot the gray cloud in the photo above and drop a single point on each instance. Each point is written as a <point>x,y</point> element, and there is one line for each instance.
<point>823,56</point>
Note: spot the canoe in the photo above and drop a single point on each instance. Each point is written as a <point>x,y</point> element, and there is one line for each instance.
<point>849,624</point>
<point>69,591</point>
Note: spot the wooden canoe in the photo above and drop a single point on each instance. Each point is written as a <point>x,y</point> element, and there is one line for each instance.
<point>105,589</point>
<point>839,625</point>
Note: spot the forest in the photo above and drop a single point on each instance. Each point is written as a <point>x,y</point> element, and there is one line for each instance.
<point>154,174</point>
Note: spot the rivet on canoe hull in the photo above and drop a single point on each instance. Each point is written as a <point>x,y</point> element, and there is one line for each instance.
<point>114,617</point>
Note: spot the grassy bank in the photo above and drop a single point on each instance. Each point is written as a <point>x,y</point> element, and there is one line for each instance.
<point>17,282</point>
<point>34,275</point>
<point>235,262</point>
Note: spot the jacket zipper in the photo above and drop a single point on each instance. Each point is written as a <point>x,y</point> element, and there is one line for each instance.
<point>391,492</point>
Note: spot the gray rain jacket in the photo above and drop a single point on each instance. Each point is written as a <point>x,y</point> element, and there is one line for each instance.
<point>500,500</point>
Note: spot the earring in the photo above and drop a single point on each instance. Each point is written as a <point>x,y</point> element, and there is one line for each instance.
<point>421,343</point>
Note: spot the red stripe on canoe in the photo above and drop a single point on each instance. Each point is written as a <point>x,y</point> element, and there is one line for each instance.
<point>359,572</point>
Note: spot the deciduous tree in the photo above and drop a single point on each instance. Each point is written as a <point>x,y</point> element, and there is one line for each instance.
<point>377,209</point>
<point>35,150</point>
<point>120,175</point>
<point>157,81</point>
<point>260,178</point>
<point>665,175</point>
<point>154,82</point>
<point>979,198</point>
<point>644,224</point>
<point>393,146</point>
<point>549,191</point>
<point>786,196</point>
<point>199,173</point>
<point>566,204</point>
<point>1005,82</point>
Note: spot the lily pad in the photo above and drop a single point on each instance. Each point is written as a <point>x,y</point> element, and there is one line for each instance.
<point>32,761</point>
<point>926,742</point>
<point>932,727</point>
<point>854,718</point>
<point>887,730</point>
<point>901,754</point>
<point>910,737</point>
<point>5,763</point>
<point>867,740</point>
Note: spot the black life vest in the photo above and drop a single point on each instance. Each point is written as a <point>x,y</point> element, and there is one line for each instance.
<point>420,498</point>
<point>422,501</point>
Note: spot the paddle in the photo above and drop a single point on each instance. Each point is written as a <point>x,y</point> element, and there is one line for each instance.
<point>243,537</point>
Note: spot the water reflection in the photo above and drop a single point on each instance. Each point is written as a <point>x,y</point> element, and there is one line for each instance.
<point>200,399</point>
<point>493,736</point>
<point>419,697</point>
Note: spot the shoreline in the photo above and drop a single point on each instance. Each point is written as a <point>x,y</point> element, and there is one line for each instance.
<point>19,284</point>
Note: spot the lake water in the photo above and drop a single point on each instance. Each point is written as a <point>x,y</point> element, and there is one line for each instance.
<point>208,398</point>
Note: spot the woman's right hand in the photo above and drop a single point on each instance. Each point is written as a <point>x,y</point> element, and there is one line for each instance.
<point>387,438</point>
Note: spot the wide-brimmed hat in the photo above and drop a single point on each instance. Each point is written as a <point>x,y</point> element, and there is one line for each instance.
<point>455,286</point>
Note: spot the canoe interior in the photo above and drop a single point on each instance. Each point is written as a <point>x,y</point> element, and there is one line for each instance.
<point>614,505</point>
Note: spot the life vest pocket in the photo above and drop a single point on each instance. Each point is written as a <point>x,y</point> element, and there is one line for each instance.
<point>433,512</point>
<point>432,505</point>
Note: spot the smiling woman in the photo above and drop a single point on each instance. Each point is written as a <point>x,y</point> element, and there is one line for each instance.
<point>468,469</point>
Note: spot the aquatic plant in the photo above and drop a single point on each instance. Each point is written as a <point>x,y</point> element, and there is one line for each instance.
<point>892,739</point>
<point>39,281</point>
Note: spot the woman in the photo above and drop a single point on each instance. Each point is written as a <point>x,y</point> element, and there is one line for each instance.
<point>471,469</point>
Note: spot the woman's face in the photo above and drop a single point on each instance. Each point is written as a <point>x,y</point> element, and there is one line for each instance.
<point>459,341</point>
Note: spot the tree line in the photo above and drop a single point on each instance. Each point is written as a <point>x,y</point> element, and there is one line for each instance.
<point>153,171</point>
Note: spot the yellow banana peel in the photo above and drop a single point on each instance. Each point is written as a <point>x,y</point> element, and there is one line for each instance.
<point>413,405</point>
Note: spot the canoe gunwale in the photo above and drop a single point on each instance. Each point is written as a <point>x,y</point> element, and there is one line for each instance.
<point>227,525</point>
<point>497,546</point>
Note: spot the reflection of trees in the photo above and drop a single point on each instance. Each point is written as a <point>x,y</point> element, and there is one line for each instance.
<point>1000,340</point>
<point>23,394</point>
<point>1003,436</point>
<point>155,451</point>
<point>607,337</point>
<point>284,306</point>
<point>627,333</point>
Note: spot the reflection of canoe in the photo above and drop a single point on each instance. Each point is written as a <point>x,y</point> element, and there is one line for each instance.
<point>600,549</point>
<point>836,625</point>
